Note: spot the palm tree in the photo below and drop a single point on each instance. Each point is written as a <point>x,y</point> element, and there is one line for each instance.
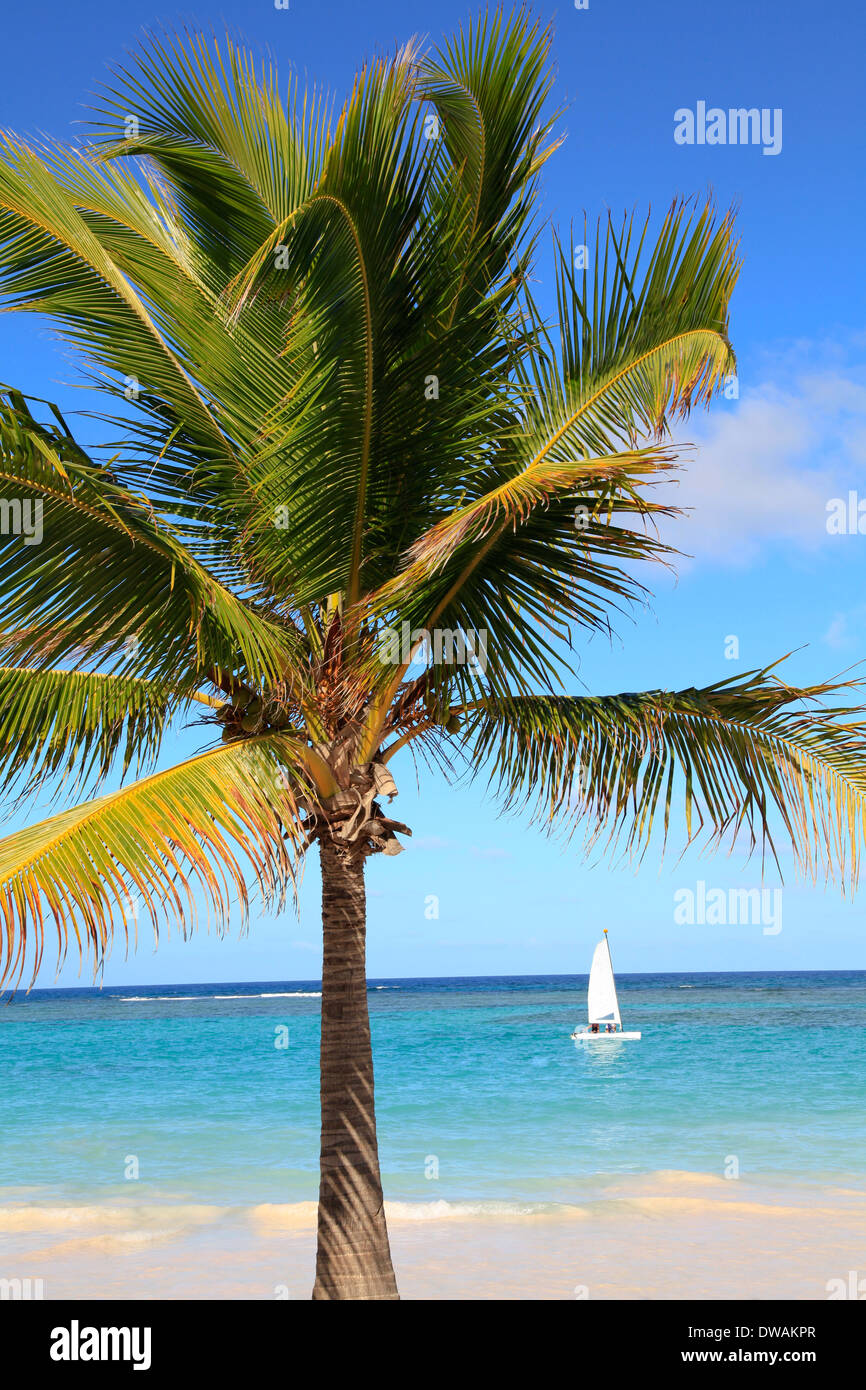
<point>347,435</point>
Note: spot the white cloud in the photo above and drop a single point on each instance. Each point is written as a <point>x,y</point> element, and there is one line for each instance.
<point>837,634</point>
<point>846,630</point>
<point>763,472</point>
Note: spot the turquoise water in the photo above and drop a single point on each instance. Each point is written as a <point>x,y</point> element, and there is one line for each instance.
<point>476,1076</point>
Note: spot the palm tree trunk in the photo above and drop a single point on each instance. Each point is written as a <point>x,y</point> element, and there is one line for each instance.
<point>353,1259</point>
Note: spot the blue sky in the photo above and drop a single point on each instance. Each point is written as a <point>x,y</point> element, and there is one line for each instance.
<point>764,568</point>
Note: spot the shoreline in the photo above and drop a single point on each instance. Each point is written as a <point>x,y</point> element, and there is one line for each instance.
<point>659,1236</point>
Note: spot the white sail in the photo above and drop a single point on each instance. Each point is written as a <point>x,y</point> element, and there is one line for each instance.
<point>603,1006</point>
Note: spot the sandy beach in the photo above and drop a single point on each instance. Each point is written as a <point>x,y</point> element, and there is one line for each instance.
<point>669,1235</point>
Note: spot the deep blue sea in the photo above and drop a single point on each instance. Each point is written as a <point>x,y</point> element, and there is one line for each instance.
<point>481,1095</point>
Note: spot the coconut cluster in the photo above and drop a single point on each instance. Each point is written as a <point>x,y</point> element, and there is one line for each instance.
<point>250,714</point>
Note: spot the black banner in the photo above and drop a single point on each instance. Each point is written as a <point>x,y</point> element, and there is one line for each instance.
<point>84,1340</point>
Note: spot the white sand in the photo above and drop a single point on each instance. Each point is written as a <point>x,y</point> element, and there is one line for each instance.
<point>663,1236</point>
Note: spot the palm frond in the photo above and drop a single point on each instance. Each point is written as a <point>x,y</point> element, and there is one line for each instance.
<point>52,262</point>
<point>636,350</point>
<point>104,579</point>
<point>748,754</point>
<point>236,151</point>
<point>606,485</point>
<point>489,86</point>
<point>180,838</point>
<point>77,725</point>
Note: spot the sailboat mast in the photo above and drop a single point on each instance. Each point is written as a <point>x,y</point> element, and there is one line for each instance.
<point>612,976</point>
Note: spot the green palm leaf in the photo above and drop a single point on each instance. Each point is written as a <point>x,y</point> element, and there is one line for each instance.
<point>637,350</point>
<point>78,725</point>
<point>106,579</point>
<point>748,754</point>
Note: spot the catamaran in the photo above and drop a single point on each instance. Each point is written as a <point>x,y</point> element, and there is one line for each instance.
<point>603,1006</point>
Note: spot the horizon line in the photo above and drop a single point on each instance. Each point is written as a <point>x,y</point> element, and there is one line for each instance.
<point>546,975</point>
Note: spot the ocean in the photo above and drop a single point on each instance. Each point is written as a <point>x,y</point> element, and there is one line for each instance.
<point>143,1117</point>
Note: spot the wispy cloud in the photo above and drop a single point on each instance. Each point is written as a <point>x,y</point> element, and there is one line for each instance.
<point>763,473</point>
<point>847,629</point>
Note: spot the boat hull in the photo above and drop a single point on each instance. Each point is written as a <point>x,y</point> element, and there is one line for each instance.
<point>584,1035</point>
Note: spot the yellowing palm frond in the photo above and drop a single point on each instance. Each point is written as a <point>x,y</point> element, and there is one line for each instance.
<point>204,826</point>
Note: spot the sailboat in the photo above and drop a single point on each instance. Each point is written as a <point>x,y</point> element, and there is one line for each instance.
<point>605,1023</point>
